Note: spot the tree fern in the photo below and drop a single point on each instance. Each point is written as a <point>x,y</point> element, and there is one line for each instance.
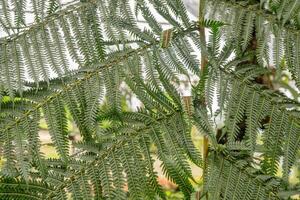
<point>78,57</point>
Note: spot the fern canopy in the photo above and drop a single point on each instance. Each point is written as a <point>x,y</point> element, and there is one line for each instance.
<point>78,59</point>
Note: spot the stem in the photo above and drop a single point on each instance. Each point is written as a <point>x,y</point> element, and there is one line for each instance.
<point>203,65</point>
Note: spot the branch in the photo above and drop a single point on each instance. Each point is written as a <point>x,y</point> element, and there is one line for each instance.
<point>204,63</point>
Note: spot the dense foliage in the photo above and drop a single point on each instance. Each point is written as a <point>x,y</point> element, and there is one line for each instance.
<point>77,57</point>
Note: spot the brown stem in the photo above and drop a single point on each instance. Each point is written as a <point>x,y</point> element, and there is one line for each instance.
<point>204,62</point>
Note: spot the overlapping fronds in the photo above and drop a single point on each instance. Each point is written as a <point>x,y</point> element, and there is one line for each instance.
<point>237,179</point>
<point>78,58</point>
<point>276,27</point>
<point>62,93</point>
<point>12,188</point>
<point>256,117</point>
<point>18,15</point>
<point>123,159</point>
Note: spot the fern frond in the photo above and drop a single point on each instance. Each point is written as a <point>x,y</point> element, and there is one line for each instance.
<point>236,179</point>
<point>15,188</point>
<point>118,178</point>
<point>162,9</point>
<point>248,29</point>
<point>127,153</point>
<point>145,142</point>
<point>290,10</point>
<point>56,120</point>
<point>92,100</point>
<point>95,49</point>
<point>254,112</point>
<point>9,168</point>
<point>30,127</point>
<point>290,148</point>
<point>148,16</point>
<point>273,142</point>
<point>21,153</point>
<point>95,178</point>
<point>236,110</point>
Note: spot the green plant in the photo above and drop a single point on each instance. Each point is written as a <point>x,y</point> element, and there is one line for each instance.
<point>104,42</point>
